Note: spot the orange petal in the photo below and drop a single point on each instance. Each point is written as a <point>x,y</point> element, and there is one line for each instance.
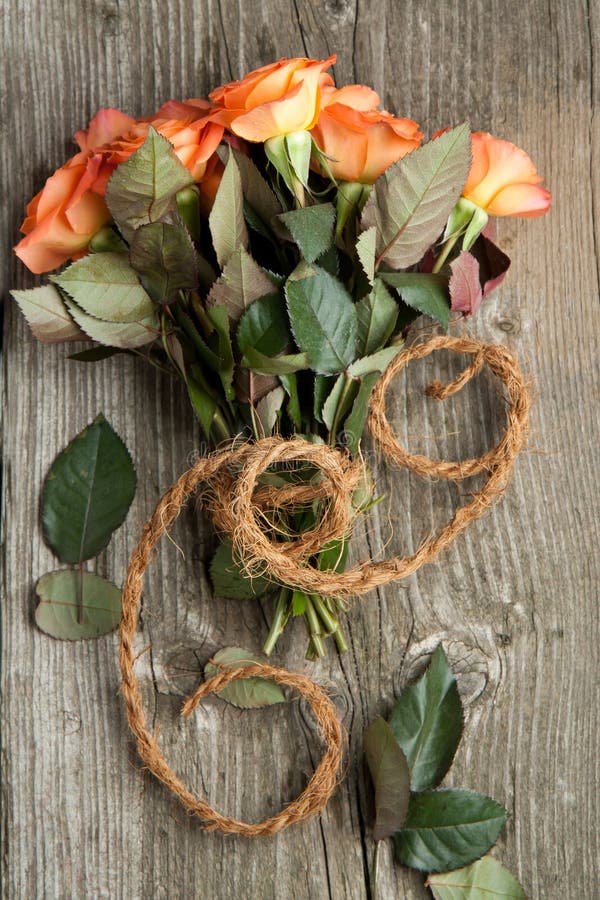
<point>525,200</point>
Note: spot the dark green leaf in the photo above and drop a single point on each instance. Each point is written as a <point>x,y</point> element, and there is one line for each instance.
<point>220,320</point>
<point>277,365</point>
<point>377,314</point>
<point>226,220</point>
<point>46,315</point>
<point>105,286</point>
<point>126,336</point>
<point>299,603</point>
<point>164,257</point>
<point>427,721</point>
<point>247,693</point>
<point>204,404</point>
<point>264,326</point>
<point>323,385</point>
<point>391,779</point>
<point>333,556</point>
<point>339,401</point>
<point>241,283</point>
<point>142,189</point>
<point>257,192</point>
<point>411,201</point>
<point>323,319</point>
<point>483,880</point>
<point>87,493</point>
<point>77,605</point>
<point>290,383</point>
<point>229,579</point>
<point>448,829</point>
<point>355,423</point>
<point>426,293</point>
<point>95,354</point>
<point>311,229</point>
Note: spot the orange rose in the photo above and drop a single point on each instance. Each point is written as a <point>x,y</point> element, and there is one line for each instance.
<point>503,181</point>
<point>70,209</point>
<point>361,141</point>
<point>275,100</point>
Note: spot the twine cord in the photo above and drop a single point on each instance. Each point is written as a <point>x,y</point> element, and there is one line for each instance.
<point>237,503</point>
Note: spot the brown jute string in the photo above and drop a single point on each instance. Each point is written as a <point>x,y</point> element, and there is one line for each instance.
<point>239,506</point>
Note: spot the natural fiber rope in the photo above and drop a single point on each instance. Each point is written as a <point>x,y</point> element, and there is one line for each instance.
<point>237,503</point>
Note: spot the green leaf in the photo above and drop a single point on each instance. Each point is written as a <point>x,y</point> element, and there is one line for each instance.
<point>164,257</point>
<point>355,423</point>
<point>87,493</point>
<point>290,384</point>
<point>322,388</point>
<point>226,219</point>
<point>377,315</point>
<point>277,365</point>
<point>339,401</point>
<point>448,829</point>
<point>323,319</point>
<point>426,293</point>
<point>311,229</point>
<point>46,315</point>
<point>247,693</point>
<point>127,336</point>
<point>366,252</point>
<point>299,148</point>
<point>229,579</point>
<point>241,283</point>
<point>142,189</point>
<point>391,779</point>
<point>376,362</point>
<point>105,286</point>
<point>267,410</point>
<point>220,320</point>
<point>77,605</point>
<point>204,404</point>
<point>264,326</point>
<point>333,556</point>
<point>482,880</point>
<point>427,722</point>
<point>410,203</point>
<point>95,354</point>
<point>299,603</point>
<point>257,192</point>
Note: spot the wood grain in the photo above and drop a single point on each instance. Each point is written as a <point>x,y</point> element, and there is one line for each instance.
<point>515,601</point>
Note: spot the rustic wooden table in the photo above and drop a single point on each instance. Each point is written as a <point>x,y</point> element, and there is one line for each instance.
<point>515,601</point>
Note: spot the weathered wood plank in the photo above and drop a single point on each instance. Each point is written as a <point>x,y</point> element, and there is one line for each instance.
<point>515,600</point>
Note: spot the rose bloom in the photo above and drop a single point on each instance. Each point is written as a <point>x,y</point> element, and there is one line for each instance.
<point>70,208</point>
<point>503,180</point>
<point>361,141</point>
<point>277,99</point>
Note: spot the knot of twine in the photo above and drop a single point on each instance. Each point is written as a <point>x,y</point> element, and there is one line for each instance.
<point>238,503</point>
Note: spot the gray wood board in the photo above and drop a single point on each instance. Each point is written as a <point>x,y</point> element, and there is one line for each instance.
<point>514,600</point>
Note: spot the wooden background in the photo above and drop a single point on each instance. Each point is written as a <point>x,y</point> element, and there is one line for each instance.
<point>515,601</point>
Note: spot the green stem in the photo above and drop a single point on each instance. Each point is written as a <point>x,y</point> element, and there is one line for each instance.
<point>340,640</point>
<point>282,614</point>
<point>312,618</point>
<point>446,249</point>
<point>80,596</point>
<point>375,871</point>
<point>329,621</point>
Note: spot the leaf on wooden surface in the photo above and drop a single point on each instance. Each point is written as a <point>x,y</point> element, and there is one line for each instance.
<point>448,829</point>
<point>226,220</point>
<point>164,257</point>
<point>47,315</point>
<point>323,319</point>
<point>391,779</point>
<point>427,722</point>
<point>143,188</point>
<point>311,228</point>
<point>377,315</point>
<point>464,286</point>
<point>241,283</point>
<point>247,693</point>
<point>230,581</point>
<point>411,201</point>
<point>482,880</point>
<point>77,605</point>
<point>426,293</point>
<point>87,493</point>
<point>95,354</point>
<point>126,336</point>
<point>105,286</point>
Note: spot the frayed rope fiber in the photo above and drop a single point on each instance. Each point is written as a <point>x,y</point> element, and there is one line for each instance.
<point>237,503</point>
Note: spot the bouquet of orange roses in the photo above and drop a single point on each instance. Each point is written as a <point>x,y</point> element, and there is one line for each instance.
<point>270,247</point>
